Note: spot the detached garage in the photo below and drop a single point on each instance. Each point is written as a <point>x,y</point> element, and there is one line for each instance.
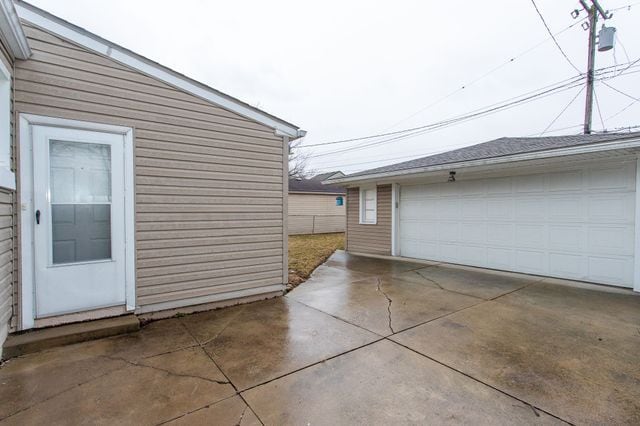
<point>555,206</point>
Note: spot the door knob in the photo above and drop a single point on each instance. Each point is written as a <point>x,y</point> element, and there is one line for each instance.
<point>37,217</point>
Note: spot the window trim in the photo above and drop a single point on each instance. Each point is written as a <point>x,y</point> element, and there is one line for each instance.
<point>7,176</point>
<point>362,204</point>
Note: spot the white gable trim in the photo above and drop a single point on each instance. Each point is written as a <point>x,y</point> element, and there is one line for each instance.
<point>11,30</point>
<point>130,59</point>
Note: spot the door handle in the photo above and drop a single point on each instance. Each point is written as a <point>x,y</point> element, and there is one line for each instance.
<point>37,217</point>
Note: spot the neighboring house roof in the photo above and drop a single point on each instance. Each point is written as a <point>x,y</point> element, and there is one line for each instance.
<point>11,30</point>
<point>329,175</point>
<point>124,56</point>
<point>505,147</point>
<point>315,185</point>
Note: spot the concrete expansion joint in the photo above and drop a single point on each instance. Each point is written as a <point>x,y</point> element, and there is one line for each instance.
<point>389,302</point>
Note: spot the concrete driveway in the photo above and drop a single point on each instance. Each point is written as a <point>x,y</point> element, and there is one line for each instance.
<point>364,341</point>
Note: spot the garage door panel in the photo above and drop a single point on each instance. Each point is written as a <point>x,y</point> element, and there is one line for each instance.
<point>498,258</point>
<point>610,240</point>
<point>611,270</point>
<point>576,224</point>
<point>474,208</point>
<point>449,231</point>
<point>611,208</point>
<point>502,234</point>
<point>569,208</point>
<point>568,265</point>
<point>531,261</point>
<point>500,185</point>
<point>530,183</point>
<point>531,235</point>
<point>473,232</point>
<point>472,255</point>
<point>567,237</point>
<point>530,208</point>
<point>566,181</point>
<point>622,177</point>
<point>500,208</point>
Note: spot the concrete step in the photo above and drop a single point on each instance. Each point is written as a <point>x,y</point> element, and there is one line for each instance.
<point>46,338</point>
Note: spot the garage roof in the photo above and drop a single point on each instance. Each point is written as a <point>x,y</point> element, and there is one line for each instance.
<point>502,147</point>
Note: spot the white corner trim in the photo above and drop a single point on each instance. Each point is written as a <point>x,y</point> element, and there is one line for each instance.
<point>395,204</point>
<point>636,264</point>
<point>25,215</point>
<point>25,206</point>
<point>12,30</point>
<point>130,59</point>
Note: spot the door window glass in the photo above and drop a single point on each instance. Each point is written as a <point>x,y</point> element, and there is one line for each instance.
<point>80,185</point>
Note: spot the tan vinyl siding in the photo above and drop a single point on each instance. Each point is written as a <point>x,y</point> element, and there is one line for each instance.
<point>370,239</point>
<point>7,252</point>
<point>6,256</point>
<point>315,214</point>
<point>209,183</point>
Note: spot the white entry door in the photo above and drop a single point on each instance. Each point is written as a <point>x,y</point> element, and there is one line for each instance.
<point>79,214</point>
<point>578,223</point>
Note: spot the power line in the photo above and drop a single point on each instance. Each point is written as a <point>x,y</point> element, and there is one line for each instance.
<point>491,109</point>
<point>602,70</point>
<point>562,112</point>
<point>491,71</point>
<point>595,95</point>
<point>568,80</point>
<point>554,38</point>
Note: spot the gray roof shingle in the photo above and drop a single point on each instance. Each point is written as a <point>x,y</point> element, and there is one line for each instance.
<point>314,184</point>
<point>499,148</point>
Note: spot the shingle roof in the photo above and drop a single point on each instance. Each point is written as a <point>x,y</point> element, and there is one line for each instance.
<point>499,148</point>
<point>314,184</point>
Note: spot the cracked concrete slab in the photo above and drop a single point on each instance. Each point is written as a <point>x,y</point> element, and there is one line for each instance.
<point>366,302</point>
<point>190,362</point>
<point>271,338</point>
<point>482,283</point>
<point>28,380</point>
<point>229,412</point>
<point>582,369</point>
<point>130,395</point>
<point>384,384</point>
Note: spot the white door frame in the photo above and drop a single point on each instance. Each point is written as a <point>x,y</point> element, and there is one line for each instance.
<point>25,200</point>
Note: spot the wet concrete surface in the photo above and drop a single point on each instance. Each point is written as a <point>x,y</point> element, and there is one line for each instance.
<point>364,341</point>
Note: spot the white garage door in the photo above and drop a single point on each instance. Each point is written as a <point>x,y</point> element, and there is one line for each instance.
<point>576,224</point>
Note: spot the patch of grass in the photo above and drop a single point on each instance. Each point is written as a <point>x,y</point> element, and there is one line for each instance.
<point>307,252</point>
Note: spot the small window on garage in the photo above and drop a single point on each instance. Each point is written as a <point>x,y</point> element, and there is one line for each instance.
<point>368,205</point>
<point>7,179</point>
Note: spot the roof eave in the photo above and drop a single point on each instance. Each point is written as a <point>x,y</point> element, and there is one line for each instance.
<point>560,152</point>
<point>11,30</point>
<point>78,35</point>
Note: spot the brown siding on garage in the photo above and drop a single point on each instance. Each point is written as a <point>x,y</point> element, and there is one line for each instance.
<point>209,182</point>
<point>370,239</point>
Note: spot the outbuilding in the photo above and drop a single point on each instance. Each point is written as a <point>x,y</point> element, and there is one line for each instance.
<point>561,206</point>
<point>315,208</point>
<point>128,187</point>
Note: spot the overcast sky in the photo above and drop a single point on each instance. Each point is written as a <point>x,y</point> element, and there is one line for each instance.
<point>344,69</point>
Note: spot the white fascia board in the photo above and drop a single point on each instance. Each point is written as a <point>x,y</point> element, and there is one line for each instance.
<point>137,62</point>
<point>11,30</point>
<point>561,152</point>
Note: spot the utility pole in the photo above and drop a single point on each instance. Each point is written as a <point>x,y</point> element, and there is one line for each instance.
<point>593,11</point>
